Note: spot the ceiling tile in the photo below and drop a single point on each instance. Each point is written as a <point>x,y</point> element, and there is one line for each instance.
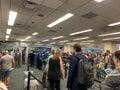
<point>52,3</point>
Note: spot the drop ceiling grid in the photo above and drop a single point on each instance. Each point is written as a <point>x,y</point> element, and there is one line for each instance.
<point>42,10</point>
<point>53,3</point>
<point>57,14</point>
<point>77,2</point>
<point>4,15</point>
<point>115,5</point>
<point>15,4</point>
<point>107,12</point>
<point>67,8</point>
<point>86,8</point>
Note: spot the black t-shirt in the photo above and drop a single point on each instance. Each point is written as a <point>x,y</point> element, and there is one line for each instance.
<point>54,69</point>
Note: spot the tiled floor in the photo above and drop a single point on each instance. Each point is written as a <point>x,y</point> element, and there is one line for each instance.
<point>17,79</point>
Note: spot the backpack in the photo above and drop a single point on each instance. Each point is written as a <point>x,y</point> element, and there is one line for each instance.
<point>85,72</point>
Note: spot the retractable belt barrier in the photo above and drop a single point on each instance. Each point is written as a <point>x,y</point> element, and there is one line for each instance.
<point>29,75</point>
<point>28,83</point>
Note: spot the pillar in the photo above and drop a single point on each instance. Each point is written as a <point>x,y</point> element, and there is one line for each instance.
<point>67,48</point>
<point>26,55</point>
<point>110,46</point>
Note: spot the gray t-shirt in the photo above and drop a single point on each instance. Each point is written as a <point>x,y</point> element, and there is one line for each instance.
<point>6,62</point>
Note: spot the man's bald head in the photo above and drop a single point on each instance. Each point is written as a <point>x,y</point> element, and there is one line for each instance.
<point>6,52</point>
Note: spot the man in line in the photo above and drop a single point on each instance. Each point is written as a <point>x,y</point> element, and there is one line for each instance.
<point>7,63</point>
<point>72,83</point>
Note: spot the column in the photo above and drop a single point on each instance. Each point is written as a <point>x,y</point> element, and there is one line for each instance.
<point>110,46</point>
<point>26,55</point>
<point>67,48</point>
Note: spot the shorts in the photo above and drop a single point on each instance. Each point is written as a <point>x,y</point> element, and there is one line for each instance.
<point>7,74</point>
<point>1,75</point>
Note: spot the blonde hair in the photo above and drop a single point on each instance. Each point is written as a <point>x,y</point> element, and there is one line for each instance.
<point>102,60</point>
<point>108,51</point>
<point>57,54</point>
<point>53,52</point>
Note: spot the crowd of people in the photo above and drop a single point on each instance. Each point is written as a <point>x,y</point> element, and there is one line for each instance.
<point>82,68</point>
<point>99,63</point>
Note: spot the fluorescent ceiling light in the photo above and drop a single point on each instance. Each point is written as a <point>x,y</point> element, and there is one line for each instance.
<point>88,41</point>
<point>63,41</point>
<point>8,31</point>
<point>21,40</point>
<point>45,40</point>
<point>115,33</point>
<point>12,17</point>
<point>6,39</point>
<point>80,38</point>
<point>111,38</point>
<point>99,0</point>
<point>84,43</point>
<point>89,30</point>
<point>35,33</point>
<point>57,37</point>
<point>7,36</point>
<point>71,43</point>
<point>28,37</point>
<point>53,43</point>
<point>65,17</point>
<point>114,24</point>
<point>38,42</point>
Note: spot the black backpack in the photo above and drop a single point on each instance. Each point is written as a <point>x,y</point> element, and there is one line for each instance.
<point>85,72</point>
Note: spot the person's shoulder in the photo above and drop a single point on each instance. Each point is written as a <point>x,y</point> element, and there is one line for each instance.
<point>73,58</point>
<point>10,56</point>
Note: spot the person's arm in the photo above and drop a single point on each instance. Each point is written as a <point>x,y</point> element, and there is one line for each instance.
<point>61,68</point>
<point>13,62</point>
<point>47,68</point>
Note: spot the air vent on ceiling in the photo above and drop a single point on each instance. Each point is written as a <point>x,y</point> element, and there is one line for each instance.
<point>29,5</point>
<point>22,26</point>
<point>89,15</point>
<point>52,31</point>
<point>40,15</point>
<point>108,28</point>
<point>16,34</point>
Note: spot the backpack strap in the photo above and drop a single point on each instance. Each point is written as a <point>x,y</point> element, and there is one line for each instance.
<point>80,57</point>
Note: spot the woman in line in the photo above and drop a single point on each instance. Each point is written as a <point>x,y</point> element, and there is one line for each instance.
<point>112,81</point>
<point>55,69</point>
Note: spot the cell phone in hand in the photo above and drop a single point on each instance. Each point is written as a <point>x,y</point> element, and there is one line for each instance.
<point>107,71</point>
